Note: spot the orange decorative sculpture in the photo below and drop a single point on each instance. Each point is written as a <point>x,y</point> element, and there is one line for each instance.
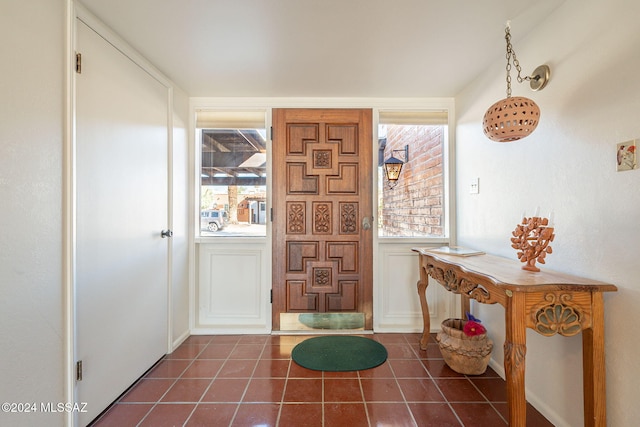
<point>531,238</point>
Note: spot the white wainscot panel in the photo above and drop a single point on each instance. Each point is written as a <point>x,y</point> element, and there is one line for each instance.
<point>397,306</point>
<point>233,290</point>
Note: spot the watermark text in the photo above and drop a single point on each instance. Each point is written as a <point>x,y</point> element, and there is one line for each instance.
<point>52,407</point>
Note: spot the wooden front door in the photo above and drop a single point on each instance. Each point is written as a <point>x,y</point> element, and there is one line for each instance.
<point>322,212</point>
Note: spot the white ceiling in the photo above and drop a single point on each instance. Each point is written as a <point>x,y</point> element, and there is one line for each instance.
<point>321,48</point>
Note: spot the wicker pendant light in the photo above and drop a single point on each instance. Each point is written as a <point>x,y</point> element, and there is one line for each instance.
<point>514,118</point>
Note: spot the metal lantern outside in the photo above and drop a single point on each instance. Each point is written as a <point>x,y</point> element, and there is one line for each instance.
<point>511,119</point>
<point>392,168</point>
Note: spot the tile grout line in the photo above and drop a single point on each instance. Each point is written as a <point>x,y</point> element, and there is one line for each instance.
<point>206,389</point>
<point>244,393</point>
<point>489,401</point>
<point>435,383</point>
<point>364,401</point>
<point>322,398</point>
<point>404,399</point>
<point>186,421</point>
<point>284,390</point>
<point>157,402</point>
<point>193,359</point>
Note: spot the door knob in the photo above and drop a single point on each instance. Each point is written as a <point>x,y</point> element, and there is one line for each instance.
<point>166,233</point>
<point>366,222</point>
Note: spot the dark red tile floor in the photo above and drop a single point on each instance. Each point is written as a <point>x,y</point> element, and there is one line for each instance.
<point>250,380</point>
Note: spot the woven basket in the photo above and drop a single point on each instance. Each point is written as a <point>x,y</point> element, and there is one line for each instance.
<point>464,354</point>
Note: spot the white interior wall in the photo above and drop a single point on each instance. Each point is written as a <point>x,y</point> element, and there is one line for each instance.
<point>31,132</point>
<point>32,299</point>
<point>568,166</point>
<point>180,159</point>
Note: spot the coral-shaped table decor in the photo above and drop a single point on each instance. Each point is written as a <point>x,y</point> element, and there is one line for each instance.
<point>531,238</point>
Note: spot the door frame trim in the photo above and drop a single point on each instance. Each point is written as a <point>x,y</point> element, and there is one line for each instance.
<point>75,11</point>
<point>68,212</point>
<point>366,202</point>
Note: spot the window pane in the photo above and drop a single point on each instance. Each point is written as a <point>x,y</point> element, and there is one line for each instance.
<point>233,182</point>
<point>413,206</point>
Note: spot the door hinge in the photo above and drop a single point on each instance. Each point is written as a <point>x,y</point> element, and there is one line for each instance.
<point>79,370</point>
<point>271,214</point>
<point>271,133</point>
<point>271,296</point>
<point>79,63</point>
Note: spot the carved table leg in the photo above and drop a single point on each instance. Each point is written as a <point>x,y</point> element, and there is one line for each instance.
<point>422,295</point>
<point>593,366</point>
<point>515,350</point>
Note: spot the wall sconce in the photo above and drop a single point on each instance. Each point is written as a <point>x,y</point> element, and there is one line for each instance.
<point>511,119</point>
<point>393,166</point>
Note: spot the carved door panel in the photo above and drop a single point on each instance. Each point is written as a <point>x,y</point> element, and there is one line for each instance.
<point>322,212</point>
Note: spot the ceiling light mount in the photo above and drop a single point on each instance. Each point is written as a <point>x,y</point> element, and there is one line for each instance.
<point>511,119</point>
<point>540,77</point>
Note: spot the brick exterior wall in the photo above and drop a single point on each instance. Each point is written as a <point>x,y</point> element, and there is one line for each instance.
<point>415,206</point>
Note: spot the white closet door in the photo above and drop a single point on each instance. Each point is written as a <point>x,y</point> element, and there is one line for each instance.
<point>121,276</point>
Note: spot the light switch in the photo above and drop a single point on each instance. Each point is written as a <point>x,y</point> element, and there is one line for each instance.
<point>475,186</point>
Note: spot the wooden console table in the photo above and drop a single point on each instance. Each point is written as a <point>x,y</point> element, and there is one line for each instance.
<point>548,302</point>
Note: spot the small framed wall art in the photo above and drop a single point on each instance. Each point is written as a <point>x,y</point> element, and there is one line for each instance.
<point>626,158</point>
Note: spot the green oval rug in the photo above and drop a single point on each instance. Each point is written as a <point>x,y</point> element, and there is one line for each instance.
<point>339,353</point>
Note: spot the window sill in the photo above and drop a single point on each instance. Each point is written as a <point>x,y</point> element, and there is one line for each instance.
<point>383,240</point>
<point>222,240</point>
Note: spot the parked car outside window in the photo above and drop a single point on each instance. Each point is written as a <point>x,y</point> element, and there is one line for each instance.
<point>213,220</point>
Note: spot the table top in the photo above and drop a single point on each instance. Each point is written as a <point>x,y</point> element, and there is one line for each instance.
<point>508,273</point>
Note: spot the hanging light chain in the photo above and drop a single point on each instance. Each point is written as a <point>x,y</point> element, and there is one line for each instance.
<point>512,53</point>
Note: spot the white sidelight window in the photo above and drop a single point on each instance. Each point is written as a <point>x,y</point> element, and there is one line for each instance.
<point>233,173</point>
<point>414,205</point>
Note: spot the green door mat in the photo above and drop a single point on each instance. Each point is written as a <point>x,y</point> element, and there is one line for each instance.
<point>339,353</point>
